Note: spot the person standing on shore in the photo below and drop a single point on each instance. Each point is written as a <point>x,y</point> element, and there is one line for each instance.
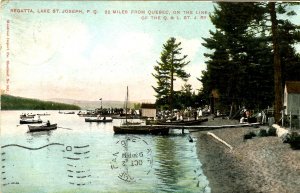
<point>200,112</point>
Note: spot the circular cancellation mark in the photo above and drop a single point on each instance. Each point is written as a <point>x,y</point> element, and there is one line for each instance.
<point>133,160</point>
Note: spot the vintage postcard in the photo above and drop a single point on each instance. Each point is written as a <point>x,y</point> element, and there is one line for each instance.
<point>149,96</point>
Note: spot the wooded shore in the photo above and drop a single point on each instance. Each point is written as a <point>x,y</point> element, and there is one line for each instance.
<point>261,164</point>
<point>9,102</point>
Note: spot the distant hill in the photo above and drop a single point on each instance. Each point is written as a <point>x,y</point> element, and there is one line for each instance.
<point>9,102</point>
<point>84,104</point>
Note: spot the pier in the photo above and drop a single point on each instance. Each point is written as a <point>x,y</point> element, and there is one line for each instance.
<point>193,128</point>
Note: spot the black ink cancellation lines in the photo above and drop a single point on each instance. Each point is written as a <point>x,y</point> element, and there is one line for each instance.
<point>31,148</point>
<point>78,173</point>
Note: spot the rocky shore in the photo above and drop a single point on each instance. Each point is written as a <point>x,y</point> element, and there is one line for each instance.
<point>261,164</point>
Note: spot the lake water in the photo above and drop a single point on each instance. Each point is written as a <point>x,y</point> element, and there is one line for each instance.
<point>89,157</point>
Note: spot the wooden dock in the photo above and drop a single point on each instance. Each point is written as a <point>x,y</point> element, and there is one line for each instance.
<point>194,128</point>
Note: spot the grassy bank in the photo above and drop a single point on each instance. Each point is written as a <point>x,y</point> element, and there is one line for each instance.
<point>9,102</point>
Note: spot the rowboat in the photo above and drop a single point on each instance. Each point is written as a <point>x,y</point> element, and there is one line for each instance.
<point>135,129</point>
<point>99,119</point>
<point>42,127</point>
<point>30,121</point>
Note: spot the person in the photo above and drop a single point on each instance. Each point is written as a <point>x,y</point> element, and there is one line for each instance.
<point>48,123</point>
<point>247,114</point>
<point>195,115</point>
<point>200,112</point>
<point>244,117</point>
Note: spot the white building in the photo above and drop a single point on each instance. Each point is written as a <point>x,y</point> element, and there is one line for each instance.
<point>148,110</point>
<point>292,97</point>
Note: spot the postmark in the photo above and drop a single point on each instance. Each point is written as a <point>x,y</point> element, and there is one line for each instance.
<point>134,159</point>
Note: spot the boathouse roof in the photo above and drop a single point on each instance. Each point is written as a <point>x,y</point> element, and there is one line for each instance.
<point>292,87</point>
<point>148,106</point>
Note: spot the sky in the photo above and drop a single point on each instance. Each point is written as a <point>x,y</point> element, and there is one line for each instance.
<point>93,54</point>
<point>54,51</point>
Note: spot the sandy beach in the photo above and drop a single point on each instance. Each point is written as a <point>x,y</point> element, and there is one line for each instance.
<point>261,164</point>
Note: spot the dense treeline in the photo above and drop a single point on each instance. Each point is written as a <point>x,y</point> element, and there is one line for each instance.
<point>252,53</point>
<point>9,102</point>
<point>240,67</point>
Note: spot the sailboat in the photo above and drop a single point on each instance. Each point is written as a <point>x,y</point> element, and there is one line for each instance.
<point>136,128</point>
<point>126,113</point>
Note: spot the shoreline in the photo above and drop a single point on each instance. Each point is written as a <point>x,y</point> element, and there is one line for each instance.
<point>261,164</point>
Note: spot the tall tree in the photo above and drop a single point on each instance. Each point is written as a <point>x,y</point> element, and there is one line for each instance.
<point>169,67</point>
<point>277,64</point>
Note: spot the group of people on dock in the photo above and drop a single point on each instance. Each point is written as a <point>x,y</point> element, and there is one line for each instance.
<point>188,113</point>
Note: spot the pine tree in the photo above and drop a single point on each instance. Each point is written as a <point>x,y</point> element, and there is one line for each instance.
<point>169,67</point>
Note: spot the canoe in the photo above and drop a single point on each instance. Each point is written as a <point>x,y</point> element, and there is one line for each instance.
<point>140,130</point>
<point>30,121</point>
<point>99,119</point>
<point>42,127</point>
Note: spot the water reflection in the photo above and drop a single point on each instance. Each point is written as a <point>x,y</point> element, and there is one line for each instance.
<point>32,136</point>
<point>169,166</point>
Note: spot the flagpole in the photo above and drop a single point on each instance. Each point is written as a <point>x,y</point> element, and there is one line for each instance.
<point>101,103</point>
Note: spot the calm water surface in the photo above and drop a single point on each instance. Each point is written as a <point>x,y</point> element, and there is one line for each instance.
<point>88,157</point>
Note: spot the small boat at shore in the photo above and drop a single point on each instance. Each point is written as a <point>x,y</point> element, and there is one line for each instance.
<point>99,119</point>
<point>30,121</point>
<point>42,127</point>
<point>140,130</point>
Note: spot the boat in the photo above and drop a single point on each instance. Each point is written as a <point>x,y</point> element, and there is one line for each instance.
<point>132,123</point>
<point>136,128</point>
<point>132,129</point>
<point>30,121</point>
<point>99,119</point>
<point>71,112</point>
<point>42,127</point>
<point>24,116</point>
<point>180,122</point>
<point>43,114</point>
<point>126,114</point>
<point>87,114</point>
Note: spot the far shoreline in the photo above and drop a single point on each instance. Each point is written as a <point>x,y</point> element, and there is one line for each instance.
<point>9,102</point>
